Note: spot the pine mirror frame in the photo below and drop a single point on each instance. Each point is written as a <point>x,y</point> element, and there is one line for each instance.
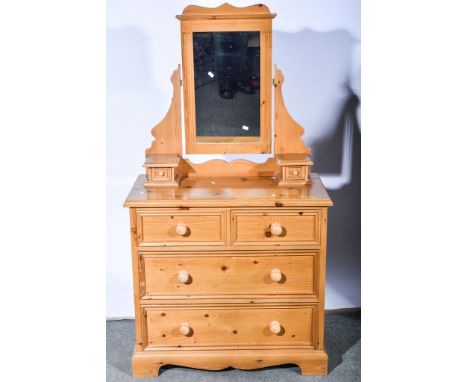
<point>227,18</point>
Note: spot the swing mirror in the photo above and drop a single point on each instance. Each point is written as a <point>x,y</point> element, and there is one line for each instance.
<point>227,80</point>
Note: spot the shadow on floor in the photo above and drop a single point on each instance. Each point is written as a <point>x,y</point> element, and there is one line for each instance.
<point>342,341</point>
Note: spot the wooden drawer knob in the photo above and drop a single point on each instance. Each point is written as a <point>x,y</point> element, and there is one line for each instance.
<point>276,229</point>
<point>275,327</point>
<point>183,276</point>
<point>295,172</point>
<point>276,275</point>
<point>184,329</point>
<point>181,229</point>
<point>161,173</point>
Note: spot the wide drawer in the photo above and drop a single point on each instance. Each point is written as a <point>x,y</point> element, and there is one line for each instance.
<point>228,275</point>
<point>234,326</point>
<point>176,227</point>
<point>273,227</point>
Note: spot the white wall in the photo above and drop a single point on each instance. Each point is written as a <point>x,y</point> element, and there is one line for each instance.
<point>317,46</point>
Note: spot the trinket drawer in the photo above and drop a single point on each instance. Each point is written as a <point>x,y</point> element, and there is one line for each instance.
<point>229,273</point>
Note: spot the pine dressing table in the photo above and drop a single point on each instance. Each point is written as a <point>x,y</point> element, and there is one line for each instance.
<point>228,257</point>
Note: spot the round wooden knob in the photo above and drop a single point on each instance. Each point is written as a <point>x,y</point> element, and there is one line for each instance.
<point>184,329</point>
<point>276,275</point>
<point>161,173</point>
<point>295,172</point>
<point>183,276</point>
<point>275,327</point>
<point>276,229</point>
<point>181,229</point>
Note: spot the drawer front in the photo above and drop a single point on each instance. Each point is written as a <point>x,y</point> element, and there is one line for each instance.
<point>175,227</point>
<point>273,227</point>
<point>161,173</point>
<point>224,275</point>
<point>237,326</point>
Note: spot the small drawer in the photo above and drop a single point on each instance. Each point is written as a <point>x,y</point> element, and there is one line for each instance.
<point>224,326</point>
<point>296,172</point>
<point>160,173</point>
<point>275,227</point>
<point>175,227</point>
<point>227,275</point>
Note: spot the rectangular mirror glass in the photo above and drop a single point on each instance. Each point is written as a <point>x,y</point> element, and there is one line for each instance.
<point>227,86</point>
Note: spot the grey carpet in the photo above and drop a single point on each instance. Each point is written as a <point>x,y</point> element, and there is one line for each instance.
<point>342,340</point>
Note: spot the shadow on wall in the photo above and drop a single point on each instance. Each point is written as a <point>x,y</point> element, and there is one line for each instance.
<point>344,223</point>
<point>318,68</point>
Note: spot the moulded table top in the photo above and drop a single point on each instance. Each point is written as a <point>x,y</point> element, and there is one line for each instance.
<point>228,192</point>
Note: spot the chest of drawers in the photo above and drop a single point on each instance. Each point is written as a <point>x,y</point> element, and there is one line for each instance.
<point>229,273</point>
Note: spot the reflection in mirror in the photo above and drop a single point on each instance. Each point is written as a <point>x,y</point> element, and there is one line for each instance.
<point>227,86</point>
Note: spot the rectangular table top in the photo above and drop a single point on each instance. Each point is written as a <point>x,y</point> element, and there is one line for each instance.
<point>228,192</point>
